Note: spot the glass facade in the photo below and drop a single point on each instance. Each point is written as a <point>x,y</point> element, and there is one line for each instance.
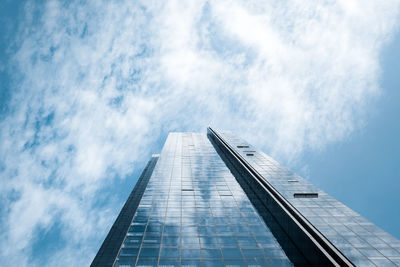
<point>194,207</point>
<point>194,213</point>
<point>359,240</point>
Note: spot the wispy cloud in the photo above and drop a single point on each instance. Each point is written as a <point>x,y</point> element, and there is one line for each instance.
<point>98,83</point>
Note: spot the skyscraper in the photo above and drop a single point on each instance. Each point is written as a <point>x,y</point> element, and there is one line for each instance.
<point>215,200</point>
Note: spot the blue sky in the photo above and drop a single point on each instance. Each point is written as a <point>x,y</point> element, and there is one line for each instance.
<point>90,90</point>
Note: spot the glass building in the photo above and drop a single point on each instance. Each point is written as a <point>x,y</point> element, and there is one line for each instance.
<point>215,200</point>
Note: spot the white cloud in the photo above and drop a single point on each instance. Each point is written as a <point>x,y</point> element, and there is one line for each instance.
<point>99,83</point>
